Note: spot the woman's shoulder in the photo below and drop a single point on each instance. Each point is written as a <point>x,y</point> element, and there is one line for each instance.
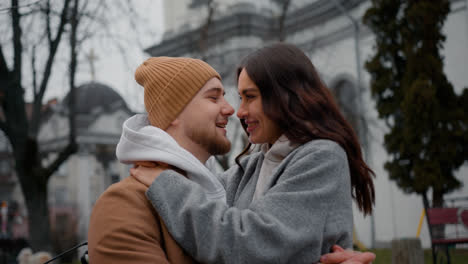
<point>316,157</point>
<point>321,146</point>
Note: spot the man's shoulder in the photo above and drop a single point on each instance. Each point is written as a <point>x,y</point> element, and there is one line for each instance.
<point>129,183</point>
<point>125,201</point>
<point>123,208</point>
<point>128,189</point>
<point>123,218</point>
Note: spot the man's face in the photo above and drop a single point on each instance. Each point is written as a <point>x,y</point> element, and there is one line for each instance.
<point>204,119</point>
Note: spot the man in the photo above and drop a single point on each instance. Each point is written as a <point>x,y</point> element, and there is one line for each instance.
<point>187,116</point>
<point>183,97</point>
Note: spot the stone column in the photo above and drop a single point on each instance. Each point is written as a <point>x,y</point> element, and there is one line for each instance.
<point>85,168</point>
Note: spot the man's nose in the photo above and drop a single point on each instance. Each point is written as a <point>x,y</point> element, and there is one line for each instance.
<point>227,110</point>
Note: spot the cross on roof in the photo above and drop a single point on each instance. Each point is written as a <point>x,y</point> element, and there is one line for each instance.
<point>91,59</point>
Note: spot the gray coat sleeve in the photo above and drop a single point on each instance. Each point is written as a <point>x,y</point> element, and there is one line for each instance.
<point>308,207</point>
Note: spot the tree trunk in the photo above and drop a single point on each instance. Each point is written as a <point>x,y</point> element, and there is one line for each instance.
<point>34,186</point>
<point>38,217</point>
<point>438,201</point>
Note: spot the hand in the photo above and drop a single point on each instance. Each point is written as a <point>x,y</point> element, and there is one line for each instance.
<point>149,164</point>
<point>146,172</point>
<point>342,256</point>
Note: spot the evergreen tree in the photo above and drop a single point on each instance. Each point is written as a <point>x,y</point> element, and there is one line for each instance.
<point>428,122</point>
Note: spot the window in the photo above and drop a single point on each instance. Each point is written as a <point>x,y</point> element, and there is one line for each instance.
<point>60,195</point>
<point>345,94</point>
<point>4,167</point>
<point>63,169</point>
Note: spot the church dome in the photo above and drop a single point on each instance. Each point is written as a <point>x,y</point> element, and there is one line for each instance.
<point>93,95</point>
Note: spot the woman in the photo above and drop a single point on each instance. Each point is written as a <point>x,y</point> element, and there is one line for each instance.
<point>290,202</point>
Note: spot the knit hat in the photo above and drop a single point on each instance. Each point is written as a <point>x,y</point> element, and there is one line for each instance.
<point>170,84</point>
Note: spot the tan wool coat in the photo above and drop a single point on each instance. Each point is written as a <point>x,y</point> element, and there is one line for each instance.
<point>125,228</point>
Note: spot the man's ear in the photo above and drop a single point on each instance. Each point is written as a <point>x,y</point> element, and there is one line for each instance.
<point>172,129</point>
<point>175,123</point>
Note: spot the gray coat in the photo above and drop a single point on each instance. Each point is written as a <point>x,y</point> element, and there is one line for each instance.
<point>305,211</point>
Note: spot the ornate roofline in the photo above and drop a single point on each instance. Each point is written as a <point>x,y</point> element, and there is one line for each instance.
<point>247,23</point>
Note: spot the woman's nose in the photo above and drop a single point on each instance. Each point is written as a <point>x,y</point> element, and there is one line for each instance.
<point>241,112</point>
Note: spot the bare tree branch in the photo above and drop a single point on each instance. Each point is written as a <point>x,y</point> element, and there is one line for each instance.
<point>4,71</point>
<point>72,146</point>
<point>73,64</point>
<point>129,10</point>
<point>83,8</point>
<point>87,34</point>
<point>47,17</point>
<point>36,115</point>
<point>62,157</point>
<point>36,10</point>
<point>16,7</point>
<point>115,39</point>
<point>4,79</point>
<point>33,69</point>
<point>204,30</point>
<point>18,46</point>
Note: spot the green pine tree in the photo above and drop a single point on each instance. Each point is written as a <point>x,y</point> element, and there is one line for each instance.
<point>428,122</point>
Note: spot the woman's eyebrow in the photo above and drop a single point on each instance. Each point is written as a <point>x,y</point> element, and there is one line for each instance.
<point>248,90</point>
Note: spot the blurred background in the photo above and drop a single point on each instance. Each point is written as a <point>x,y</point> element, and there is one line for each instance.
<point>398,70</point>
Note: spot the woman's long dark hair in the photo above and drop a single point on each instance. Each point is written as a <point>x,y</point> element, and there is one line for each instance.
<point>294,97</point>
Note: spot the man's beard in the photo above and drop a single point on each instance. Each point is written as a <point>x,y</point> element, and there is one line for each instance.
<point>215,145</point>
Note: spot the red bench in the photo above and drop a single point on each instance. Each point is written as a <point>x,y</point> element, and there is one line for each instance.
<point>455,223</point>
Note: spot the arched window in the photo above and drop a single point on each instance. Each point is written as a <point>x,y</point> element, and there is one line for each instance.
<point>345,92</point>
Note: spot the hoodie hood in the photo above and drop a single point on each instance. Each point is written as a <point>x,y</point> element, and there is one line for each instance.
<point>141,141</point>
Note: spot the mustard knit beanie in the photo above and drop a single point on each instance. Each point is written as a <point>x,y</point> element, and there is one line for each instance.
<point>170,84</point>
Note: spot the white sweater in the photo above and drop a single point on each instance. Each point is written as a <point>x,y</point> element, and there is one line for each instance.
<point>274,155</point>
<point>142,142</point>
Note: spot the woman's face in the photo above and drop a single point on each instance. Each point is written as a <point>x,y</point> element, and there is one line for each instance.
<point>261,128</point>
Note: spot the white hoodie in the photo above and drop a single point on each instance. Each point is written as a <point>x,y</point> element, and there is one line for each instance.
<point>142,142</point>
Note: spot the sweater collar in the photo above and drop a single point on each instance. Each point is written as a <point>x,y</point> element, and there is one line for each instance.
<point>279,150</point>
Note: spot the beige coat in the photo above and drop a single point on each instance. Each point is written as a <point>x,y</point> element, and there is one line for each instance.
<point>125,228</point>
